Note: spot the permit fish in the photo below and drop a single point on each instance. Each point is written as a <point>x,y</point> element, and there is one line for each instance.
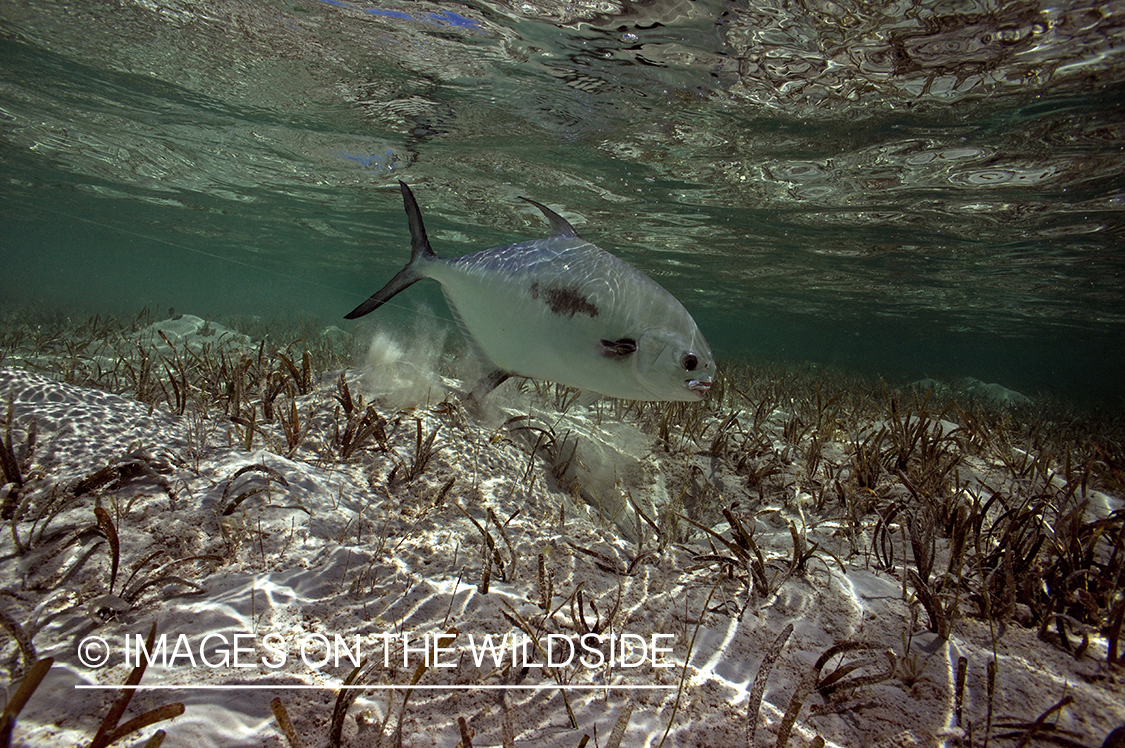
<point>563,310</point>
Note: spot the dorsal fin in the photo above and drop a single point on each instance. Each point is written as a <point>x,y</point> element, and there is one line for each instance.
<point>560,227</point>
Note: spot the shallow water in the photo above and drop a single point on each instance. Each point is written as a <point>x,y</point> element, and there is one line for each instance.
<point>913,191</point>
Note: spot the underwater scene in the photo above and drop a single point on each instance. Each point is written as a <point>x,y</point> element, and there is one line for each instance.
<point>562,373</point>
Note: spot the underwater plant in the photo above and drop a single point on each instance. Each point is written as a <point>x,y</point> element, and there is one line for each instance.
<point>986,522</point>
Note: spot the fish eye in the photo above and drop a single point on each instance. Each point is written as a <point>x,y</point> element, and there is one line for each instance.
<point>689,361</point>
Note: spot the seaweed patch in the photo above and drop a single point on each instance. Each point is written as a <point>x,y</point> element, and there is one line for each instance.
<point>564,301</point>
<point>791,494</point>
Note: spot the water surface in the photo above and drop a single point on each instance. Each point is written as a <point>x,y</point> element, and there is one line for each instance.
<point>913,190</point>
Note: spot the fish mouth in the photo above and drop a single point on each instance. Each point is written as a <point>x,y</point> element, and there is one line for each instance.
<point>698,386</point>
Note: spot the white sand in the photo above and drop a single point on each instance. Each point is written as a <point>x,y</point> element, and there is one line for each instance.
<point>340,551</point>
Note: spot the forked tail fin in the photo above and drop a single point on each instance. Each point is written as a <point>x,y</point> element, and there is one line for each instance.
<point>420,252</point>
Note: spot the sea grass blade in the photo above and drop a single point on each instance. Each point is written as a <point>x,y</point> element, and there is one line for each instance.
<point>110,532</point>
<point>19,699</point>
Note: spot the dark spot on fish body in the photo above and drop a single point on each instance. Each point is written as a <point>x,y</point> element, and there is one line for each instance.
<point>566,301</point>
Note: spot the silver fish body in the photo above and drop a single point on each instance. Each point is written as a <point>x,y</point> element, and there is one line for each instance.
<point>563,310</point>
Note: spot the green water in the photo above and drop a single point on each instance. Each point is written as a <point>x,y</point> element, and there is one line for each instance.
<point>934,192</point>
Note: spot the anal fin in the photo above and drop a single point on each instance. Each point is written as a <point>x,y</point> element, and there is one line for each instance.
<point>486,384</point>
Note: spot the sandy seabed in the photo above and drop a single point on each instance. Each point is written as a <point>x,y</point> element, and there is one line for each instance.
<point>277,570</point>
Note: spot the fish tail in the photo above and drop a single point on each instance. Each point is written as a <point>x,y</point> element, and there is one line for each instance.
<point>420,253</point>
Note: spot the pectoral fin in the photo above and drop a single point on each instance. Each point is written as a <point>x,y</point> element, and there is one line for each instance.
<point>618,348</point>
